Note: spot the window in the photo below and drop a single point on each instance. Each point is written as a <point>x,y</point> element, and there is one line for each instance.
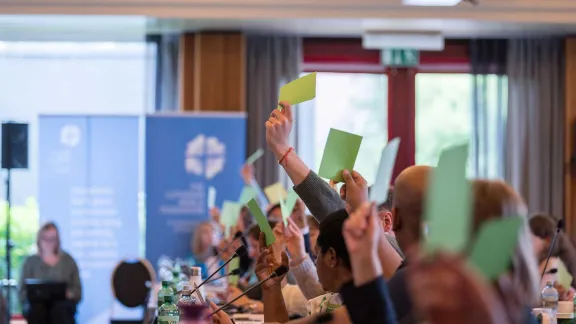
<point>69,78</point>
<point>352,102</point>
<point>445,117</point>
<point>443,114</point>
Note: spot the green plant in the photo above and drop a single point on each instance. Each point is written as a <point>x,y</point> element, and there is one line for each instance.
<point>24,225</point>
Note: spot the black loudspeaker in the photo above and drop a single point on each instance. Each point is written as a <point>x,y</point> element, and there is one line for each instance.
<point>14,146</point>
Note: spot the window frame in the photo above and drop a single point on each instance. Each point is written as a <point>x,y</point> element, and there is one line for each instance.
<point>346,55</point>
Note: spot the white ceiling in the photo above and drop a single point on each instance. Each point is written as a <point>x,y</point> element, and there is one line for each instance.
<point>131,19</point>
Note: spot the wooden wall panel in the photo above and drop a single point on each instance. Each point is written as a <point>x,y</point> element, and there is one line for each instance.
<point>215,72</point>
<point>186,72</point>
<point>570,175</point>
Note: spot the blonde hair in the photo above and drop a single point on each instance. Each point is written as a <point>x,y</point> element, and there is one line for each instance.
<point>494,200</point>
<point>48,226</point>
<point>197,248</point>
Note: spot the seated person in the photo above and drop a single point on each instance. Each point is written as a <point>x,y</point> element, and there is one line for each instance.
<point>51,263</point>
<point>314,227</point>
<point>332,264</point>
<point>543,228</point>
<point>274,213</point>
<point>294,299</point>
<point>202,244</point>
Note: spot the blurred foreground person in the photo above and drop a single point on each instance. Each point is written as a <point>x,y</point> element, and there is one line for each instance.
<point>446,290</point>
<point>51,263</point>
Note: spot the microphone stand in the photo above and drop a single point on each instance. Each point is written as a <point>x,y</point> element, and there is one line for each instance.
<point>224,276</point>
<point>272,275</point>
<point>235,255</point>
<point>558,228</point>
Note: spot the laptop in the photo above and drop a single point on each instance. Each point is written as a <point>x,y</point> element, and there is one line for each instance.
<point>38,290</point>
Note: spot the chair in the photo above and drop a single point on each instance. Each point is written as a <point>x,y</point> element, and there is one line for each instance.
<point>131,285</point>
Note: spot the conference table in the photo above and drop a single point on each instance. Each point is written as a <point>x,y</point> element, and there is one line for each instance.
<point>210,291</point>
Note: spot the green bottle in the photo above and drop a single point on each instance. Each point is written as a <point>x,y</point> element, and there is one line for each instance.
<point>163,292</point>
<point>175,280</point>
<point>168,313</point>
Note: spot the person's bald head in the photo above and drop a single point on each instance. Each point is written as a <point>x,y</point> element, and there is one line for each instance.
<point>409,197</point>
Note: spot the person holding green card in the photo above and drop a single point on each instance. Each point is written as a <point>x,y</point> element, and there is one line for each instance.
<point>316,193</point>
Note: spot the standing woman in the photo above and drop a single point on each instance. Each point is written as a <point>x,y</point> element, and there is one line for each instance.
<point>51,263</point>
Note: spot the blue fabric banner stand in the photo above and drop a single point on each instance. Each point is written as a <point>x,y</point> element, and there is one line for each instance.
<point>88,185</point>
<point>186,154</point>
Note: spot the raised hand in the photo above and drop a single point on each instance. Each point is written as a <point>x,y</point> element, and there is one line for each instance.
<point>220,317</point>
<point>299,214</point>
<point>295,242</point>
<point>215,214</point>
<point>354,190</point>
<point>267,263</point>
<point>278,128</point>
<point>247,173</point>
<point>362,231</point>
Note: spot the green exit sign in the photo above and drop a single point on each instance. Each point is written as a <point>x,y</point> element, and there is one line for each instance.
<point>400,57</point>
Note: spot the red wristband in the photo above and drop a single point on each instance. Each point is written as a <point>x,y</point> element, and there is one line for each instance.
<point>285,157</point>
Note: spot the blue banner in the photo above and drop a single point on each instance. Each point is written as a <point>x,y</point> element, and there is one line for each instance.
<point>184,156</point>
<point>88,185</point>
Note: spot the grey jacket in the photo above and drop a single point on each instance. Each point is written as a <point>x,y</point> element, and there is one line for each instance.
<point>322,200</point>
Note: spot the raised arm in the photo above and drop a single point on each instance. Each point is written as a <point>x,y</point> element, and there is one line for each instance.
<point>249,180</point>
<point>274,306</point>
<point>316,193</point>
<point>367,298</point>
<point>301,265</point>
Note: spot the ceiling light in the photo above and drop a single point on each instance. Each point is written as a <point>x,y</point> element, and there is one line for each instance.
<point>431,3</point>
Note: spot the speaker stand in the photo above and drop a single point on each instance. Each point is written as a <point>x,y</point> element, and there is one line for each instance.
<point>8,248</point>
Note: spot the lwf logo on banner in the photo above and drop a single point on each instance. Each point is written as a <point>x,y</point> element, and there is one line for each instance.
<point>205,156</point>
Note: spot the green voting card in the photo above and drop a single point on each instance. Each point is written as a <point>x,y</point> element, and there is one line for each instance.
<point>449,202</point>
<point>379,191</point>
<point>261,221</point>
<point>494,246</point>
<point>275,193</point>
<point>564,277</point>
<point>233,265</point>
<point>247,193</point>
<point>255,156</point>
<point>288,206</point>
<point>230,213</point>
<point>299,90</point>
<point>340,154</point>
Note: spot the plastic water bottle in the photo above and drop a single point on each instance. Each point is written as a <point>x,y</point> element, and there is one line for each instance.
<point>163,292</point>
<point>550,298</point>
<point>168,312</point>
<point>196,279</point>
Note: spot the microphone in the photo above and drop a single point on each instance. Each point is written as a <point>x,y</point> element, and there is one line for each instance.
<point>558,229</point>
<point>239,252</point>
<point>280,271</point>
<point>217,251</point>
<point>234,272</point>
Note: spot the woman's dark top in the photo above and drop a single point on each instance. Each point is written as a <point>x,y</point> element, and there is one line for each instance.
<point>65,270</point>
